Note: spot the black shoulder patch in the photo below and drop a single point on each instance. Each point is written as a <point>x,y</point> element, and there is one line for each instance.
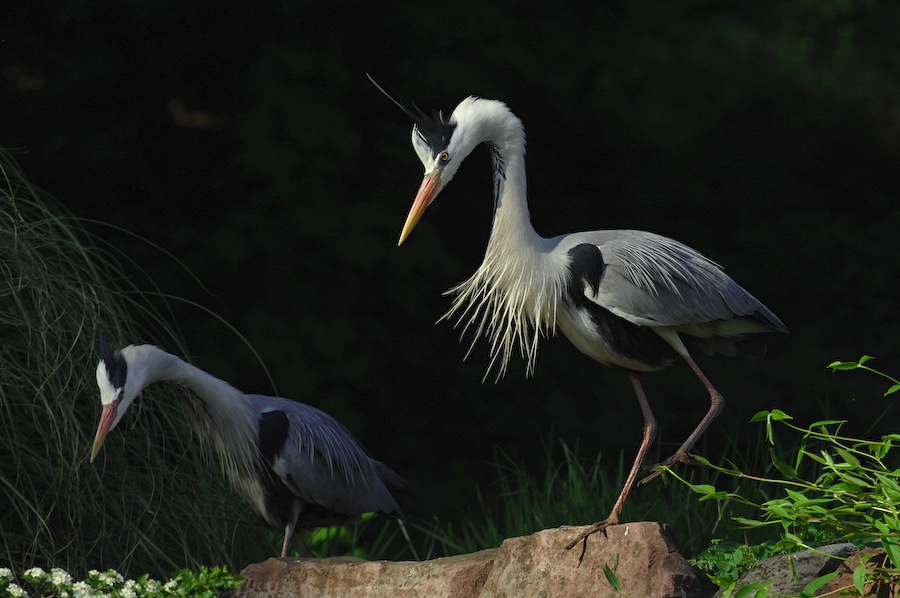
<point>116,367</point>
<point>273,433</point>
<point>585,264</point>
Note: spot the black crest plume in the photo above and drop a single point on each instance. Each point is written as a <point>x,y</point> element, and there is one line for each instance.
<point>435,130</point>
<point>116,368</point>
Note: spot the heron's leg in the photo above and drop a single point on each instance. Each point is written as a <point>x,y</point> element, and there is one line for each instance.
<point>649,435</point>
<point>289,530</point>
<point>716,405</point>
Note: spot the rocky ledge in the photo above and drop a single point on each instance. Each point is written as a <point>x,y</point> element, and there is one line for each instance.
<point>641,558</point>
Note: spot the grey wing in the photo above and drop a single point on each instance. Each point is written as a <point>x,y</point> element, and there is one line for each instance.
<point>651,280</point>
<point>322,463</point>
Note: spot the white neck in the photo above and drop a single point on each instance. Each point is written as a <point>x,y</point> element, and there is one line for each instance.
<point>219,413</point>
<point>510,299</point>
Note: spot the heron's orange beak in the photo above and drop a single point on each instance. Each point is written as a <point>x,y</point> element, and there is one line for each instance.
<point>106,419</point>
<point>429,188</point>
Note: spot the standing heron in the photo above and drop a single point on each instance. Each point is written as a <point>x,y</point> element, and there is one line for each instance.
<point>296,466</point>
<point>627,298</point>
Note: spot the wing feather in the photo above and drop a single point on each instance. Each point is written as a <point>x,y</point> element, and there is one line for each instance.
<point>324,464</point>
<point>652,280</point>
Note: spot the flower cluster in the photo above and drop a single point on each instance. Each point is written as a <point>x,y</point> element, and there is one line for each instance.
<point>57,583</point>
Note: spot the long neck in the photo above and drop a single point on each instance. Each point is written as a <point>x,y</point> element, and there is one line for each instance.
<point>218,412</point>
<point>512,297</point>
<point>512,230</point>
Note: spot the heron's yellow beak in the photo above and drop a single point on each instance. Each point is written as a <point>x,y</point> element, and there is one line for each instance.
<point>106,420</point>
<point>427,191</point>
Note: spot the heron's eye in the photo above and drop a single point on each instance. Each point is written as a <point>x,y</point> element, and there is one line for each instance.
<point>444,158</point>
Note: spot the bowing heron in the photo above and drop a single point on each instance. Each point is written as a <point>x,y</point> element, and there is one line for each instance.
<point>627,298</point>
<point>296,466</point>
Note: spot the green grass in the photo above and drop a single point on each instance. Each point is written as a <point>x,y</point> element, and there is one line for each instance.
<point>152,502</point>
<point>149,503</point>
<point>571,490</point>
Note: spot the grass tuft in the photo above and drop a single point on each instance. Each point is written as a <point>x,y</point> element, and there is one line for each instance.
<point>148,504</point>
<point>570,490</point>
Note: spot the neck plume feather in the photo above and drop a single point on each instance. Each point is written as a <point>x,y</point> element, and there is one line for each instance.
<point>220,416</point>
<point>512,297</point>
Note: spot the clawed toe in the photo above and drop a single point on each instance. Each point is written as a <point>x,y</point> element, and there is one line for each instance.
<point>600,526</point>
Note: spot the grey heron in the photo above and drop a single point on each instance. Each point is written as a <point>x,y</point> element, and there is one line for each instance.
<point>296,466</point>
<point>627,298</point>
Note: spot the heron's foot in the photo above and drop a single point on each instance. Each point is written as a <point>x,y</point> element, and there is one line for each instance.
<point>592,529</point>
<point>679,457</point>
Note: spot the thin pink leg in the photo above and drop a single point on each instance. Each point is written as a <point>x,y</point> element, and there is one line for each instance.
<point>716,406</point>
<point>649,435</point>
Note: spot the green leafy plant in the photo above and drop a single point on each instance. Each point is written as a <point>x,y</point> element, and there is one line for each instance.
<point>860,365</point>
<point>371,537</point>
<point>835,488</point>
<point>724,562</point>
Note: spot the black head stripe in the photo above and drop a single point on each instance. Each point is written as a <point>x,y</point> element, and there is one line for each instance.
<point>116,368</point>
<point>434,130</point>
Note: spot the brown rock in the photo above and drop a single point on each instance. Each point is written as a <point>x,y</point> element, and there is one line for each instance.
<point>788,574</point>
<point>349,577</point>
<point>872,558</point>
<point>642,556</point>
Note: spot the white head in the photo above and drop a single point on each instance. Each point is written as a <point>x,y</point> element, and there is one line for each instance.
<point>121,376</point>
<point>443,143</point>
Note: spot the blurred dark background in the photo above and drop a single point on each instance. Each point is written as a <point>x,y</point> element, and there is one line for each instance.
<point>245,140</point>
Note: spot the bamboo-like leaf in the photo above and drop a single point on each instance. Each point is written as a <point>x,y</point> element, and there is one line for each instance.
<point>785,468</point>
<point>611,577</point>
<point>810,588</point>
<point>759,416</point>
<point>843,365</point>
<point>859,579</point>
<point>892,549</point>
<point>848,457</point>
<point>757,590</point>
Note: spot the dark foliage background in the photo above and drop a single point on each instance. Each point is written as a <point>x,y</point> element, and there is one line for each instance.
<point>246,140</point>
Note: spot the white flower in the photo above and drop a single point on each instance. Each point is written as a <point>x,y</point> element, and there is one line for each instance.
<point>107,578</point>
<point>152,586</point>
<point>127,593</point>
<point>5,573</point>
<point>170,585</point>
<point>111,577</point>
<point>59,577</point>
<point>93,573</point>
<point>35,572</point>
<point>82,590</point>
<point>16,591</point>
